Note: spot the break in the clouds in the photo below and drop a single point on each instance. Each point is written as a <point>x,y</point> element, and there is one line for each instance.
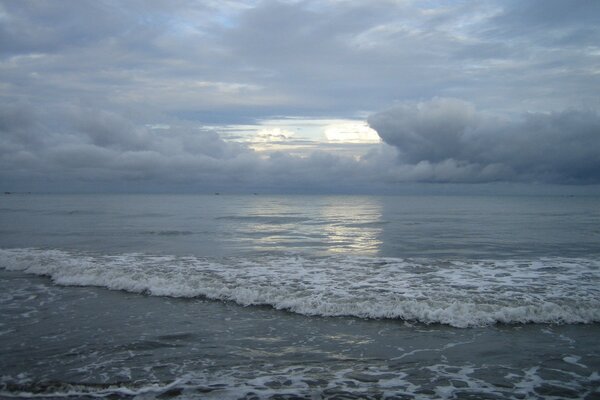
<point>275,95</point>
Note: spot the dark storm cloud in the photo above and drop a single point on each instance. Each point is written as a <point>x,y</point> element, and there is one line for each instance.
<point>448,140</point>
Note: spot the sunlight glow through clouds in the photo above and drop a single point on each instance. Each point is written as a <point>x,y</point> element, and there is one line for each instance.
<point>351,132</point>
<point>272,139</point>
<point>300,133</point>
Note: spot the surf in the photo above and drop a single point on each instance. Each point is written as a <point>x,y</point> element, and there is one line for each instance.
<point>459,293</point>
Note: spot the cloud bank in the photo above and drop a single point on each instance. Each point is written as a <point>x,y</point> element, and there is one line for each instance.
<point>448,140</point>
<point>58,148</point>
<point>441,141</point>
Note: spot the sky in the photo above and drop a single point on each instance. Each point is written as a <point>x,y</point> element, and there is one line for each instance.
<point>299,96</point>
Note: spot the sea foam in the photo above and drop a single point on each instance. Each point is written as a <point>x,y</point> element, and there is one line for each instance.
<point>457,293</point>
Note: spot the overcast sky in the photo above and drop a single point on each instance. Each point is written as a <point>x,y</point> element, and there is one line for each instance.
<point>306,96</point>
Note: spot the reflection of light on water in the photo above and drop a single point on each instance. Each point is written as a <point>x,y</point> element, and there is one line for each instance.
<point>353,225</point>
<point>321,224</point>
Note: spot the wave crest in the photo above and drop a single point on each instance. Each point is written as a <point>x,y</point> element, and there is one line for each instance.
<point>457,293</point>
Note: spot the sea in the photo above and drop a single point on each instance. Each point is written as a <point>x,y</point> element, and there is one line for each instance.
<point>299,297</point>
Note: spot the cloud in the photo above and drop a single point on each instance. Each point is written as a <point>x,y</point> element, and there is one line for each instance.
<point>448,140</point>
<point>442,140</point>
<point>569,23</point>
<point>232,60</point>
<point>66,145</point>
<point>68,141</point>
<point>83,83</point>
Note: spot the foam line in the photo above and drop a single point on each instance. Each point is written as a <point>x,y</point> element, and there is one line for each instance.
<point>457,293</point>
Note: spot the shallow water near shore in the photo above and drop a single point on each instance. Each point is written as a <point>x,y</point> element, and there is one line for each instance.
<point>299,297</point>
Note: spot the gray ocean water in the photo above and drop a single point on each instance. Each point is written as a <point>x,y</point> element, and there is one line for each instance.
<point>256,296</point>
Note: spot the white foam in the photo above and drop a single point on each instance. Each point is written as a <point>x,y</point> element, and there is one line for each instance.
<point>322,381</point>
<point>81,390</point>
<point>572,359</point>
<point>457,293</point>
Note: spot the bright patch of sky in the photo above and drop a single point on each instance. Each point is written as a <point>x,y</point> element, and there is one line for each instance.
<point>302,134</point>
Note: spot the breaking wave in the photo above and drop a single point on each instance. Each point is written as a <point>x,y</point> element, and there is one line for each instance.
<point>458,293</point>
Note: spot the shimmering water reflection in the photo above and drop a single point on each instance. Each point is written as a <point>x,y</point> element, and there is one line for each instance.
<point>318,224</point>
<point>351,224</point>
